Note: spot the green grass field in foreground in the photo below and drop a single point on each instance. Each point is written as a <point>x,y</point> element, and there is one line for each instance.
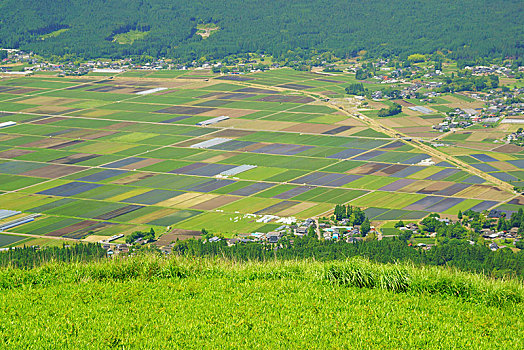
<point>152,303</point>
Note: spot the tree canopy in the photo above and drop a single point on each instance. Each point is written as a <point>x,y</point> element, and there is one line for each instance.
<point>86,29</point>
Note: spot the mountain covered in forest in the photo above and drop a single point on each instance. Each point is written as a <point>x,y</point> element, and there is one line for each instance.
<point>187,30</point>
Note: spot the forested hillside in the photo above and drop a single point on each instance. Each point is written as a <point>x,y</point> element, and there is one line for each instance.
<point>168,28</point>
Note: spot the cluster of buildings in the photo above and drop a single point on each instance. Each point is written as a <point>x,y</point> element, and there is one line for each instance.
<point>493,236</point>
<point>458,119</point>
<point>410,91</point>
<point>493,70</point>
<point>116,249</point>
<point>508,103</point>
<point>516,138</point>
<point>343,230</point>
<point>505,104</point>
<point>32,63</point>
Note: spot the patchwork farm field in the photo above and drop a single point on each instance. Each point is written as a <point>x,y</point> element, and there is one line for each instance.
<point>97,156</point>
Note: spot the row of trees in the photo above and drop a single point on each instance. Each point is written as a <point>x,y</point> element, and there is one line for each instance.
<point>147,236</point>
<point>354,214</point>
<point>451,252</point>
<point>394,109</point>
<point>469,83</point>
<point>443,229</point>
<point>29,257</point>
<point>356,89</point>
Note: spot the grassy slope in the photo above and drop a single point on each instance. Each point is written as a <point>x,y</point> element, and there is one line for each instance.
<point>184,303</point>
<point>129,37</point>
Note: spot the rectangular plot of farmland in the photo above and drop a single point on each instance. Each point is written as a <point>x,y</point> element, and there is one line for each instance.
<point>103,175</point>
<point>293,192</point>
<point>232,145</point>
<point>504,176</point>
<point>257,91</point>
<point>234,78</point>
<point>445,204</point>
<point>288,151</point>
<point>392,169</point>
<point>474,180</point>
<point>369,168</point>
<point>445,164</point>
<point>188,168</point>
<point>484,158</point>
<point>169,181</point>
<point>235,96</point>
<point>143,164</point>
<point>61,223</point>
<point>84,208</point>
<point>374,212</point>
<point>73,228</point>
<point>284,149</point>
<point>252,189</point>
<point>45,207</point>
<point>210,170</point>
<point>393,145</point>
<point>175,217</point>
<point>321,181</point>
<point>61,132</point>
<point>65,144</point>
<point>416,159</point>
<point>369,155</point>
<point>343,180</point>
<point>407,171</point>
<point>152,197</point>
<point>277,98</point>
<point>13,153</point>
<point>18,167</point>
<point>75,158</point>
<point>176,119</point>
<point>54,171</point>
<point>212,103</point>
<point>79,234</point>
<point>70,189</point>
<point>295,86</point>
<point>337,130</point>
<point>414,215</point>
<point>185,110</point>
<point>519,163</point>
<point>214,203</point>
<point>347,153</point>
<point>484,167</point>
<point>308,178</point>
<point>397,185</point>
<point>210,185</point>
<point>117,212</point>
<point>123,162</point>
<point>393,214</point>
<point>364,144</point>
<point>211,94</point>
<point>13,182</point>
<point>453,189</point>
<point>442,174</point>
<point>517,201</point>
<point>275,208</point>
<point>424,203</point>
